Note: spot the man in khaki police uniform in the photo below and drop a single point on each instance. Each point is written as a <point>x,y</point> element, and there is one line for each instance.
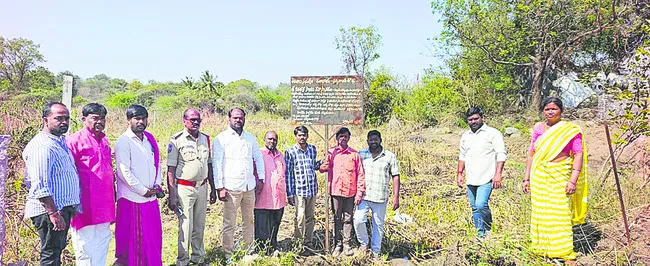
<point>188,170</point>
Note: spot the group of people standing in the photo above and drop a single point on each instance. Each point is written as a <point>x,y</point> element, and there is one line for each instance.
<point>72,183</point>
<point>555,178</point>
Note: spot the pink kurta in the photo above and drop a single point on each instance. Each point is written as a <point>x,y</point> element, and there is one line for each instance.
<point>96,178</point>
<point>274,193</point>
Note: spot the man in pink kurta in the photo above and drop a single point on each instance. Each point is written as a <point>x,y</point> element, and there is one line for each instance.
<point>271,199</point>
<point>347,185</point>
<point>91,231</point>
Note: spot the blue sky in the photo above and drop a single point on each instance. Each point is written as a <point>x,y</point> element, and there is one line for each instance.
<point>264,41</point>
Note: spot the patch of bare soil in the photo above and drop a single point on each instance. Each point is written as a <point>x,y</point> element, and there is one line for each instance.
<point>639,245</point>
<point>641,231</point>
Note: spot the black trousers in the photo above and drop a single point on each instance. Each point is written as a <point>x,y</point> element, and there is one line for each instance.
<point>52,242</point>
<point>267,225</point>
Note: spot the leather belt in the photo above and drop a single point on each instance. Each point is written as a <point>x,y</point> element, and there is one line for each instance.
<point>191,183</point>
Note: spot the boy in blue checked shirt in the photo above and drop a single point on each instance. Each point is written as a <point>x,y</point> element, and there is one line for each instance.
<point>302,185</point>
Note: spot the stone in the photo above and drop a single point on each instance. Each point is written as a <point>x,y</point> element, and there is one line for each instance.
<point>512,132</point>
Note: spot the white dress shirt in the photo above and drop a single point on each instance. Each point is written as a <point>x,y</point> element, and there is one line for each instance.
<point>233,157</point>
<point>481,150</point>
<point>136,172</point>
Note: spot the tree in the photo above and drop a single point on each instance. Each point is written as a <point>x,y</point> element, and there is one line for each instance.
<point>189,83</point>
<point>381,94</point>
<point>17,58</point>
<point>358,48</point>
<point>531,37</point>
<point>41,79</point>
<point>436,99</point>
<point>117,84</point>
<point>209,83</point>
<point>134,86</point>
<point>240,86</point>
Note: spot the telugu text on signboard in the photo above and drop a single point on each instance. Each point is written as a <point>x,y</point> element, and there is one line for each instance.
<point>327,100</point>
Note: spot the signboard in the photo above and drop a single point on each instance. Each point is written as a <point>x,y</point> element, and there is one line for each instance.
<point>327,100</point>
<point>67,91</point>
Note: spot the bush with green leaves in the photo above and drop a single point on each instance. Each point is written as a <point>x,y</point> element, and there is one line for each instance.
<point>168,103</point>
<point>438,98</point>
<point>79,101</point>
<point>247,102</point>
<point>121,100</point>
<point>274,101</point>
<point>203,100</point>
<point>380,97</point>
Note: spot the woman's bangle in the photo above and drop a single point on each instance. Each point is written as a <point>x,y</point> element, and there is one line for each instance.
<point>460,172</point>
<point>577,170</point>
<point>50,213</point>
<point>574,183</point>
<point>525,180</point>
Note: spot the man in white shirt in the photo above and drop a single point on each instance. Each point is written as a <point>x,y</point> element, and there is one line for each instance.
<point>482,155</point>
<point>138,227</point>
<point>235,154</point>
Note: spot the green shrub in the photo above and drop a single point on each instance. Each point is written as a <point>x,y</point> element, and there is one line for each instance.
<point>274,102</point>
<point>203,100</point>
<point>79,101</point>
<point>38,97</point>
<point>168,103</point>
<point>121,100</point>
<point>381,97</point>
<point>247,102</point>
<point>437,99</point>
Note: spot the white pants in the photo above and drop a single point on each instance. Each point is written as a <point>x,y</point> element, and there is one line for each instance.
<point>90,244</point>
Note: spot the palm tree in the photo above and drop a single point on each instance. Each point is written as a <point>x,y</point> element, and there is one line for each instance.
<point>189,83</point>
<point>208,83</point>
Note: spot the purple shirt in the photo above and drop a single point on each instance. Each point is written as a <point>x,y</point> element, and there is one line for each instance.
<point>96,178</point>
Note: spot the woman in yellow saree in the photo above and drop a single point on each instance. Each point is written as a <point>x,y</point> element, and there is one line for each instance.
<point>556,178</point>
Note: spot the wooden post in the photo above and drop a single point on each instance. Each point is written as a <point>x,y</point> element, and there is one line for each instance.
<point>327,195</point>
<point>618,185</point>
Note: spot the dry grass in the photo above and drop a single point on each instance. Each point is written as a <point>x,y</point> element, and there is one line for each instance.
<point>442,234</point>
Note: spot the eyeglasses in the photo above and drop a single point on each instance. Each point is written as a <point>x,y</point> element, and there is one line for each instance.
<point>195,120</point>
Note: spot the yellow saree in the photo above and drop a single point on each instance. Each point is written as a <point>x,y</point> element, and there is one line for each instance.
<point>553,212</point>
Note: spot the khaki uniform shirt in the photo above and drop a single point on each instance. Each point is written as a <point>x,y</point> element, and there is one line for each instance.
<point>190,156</point>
